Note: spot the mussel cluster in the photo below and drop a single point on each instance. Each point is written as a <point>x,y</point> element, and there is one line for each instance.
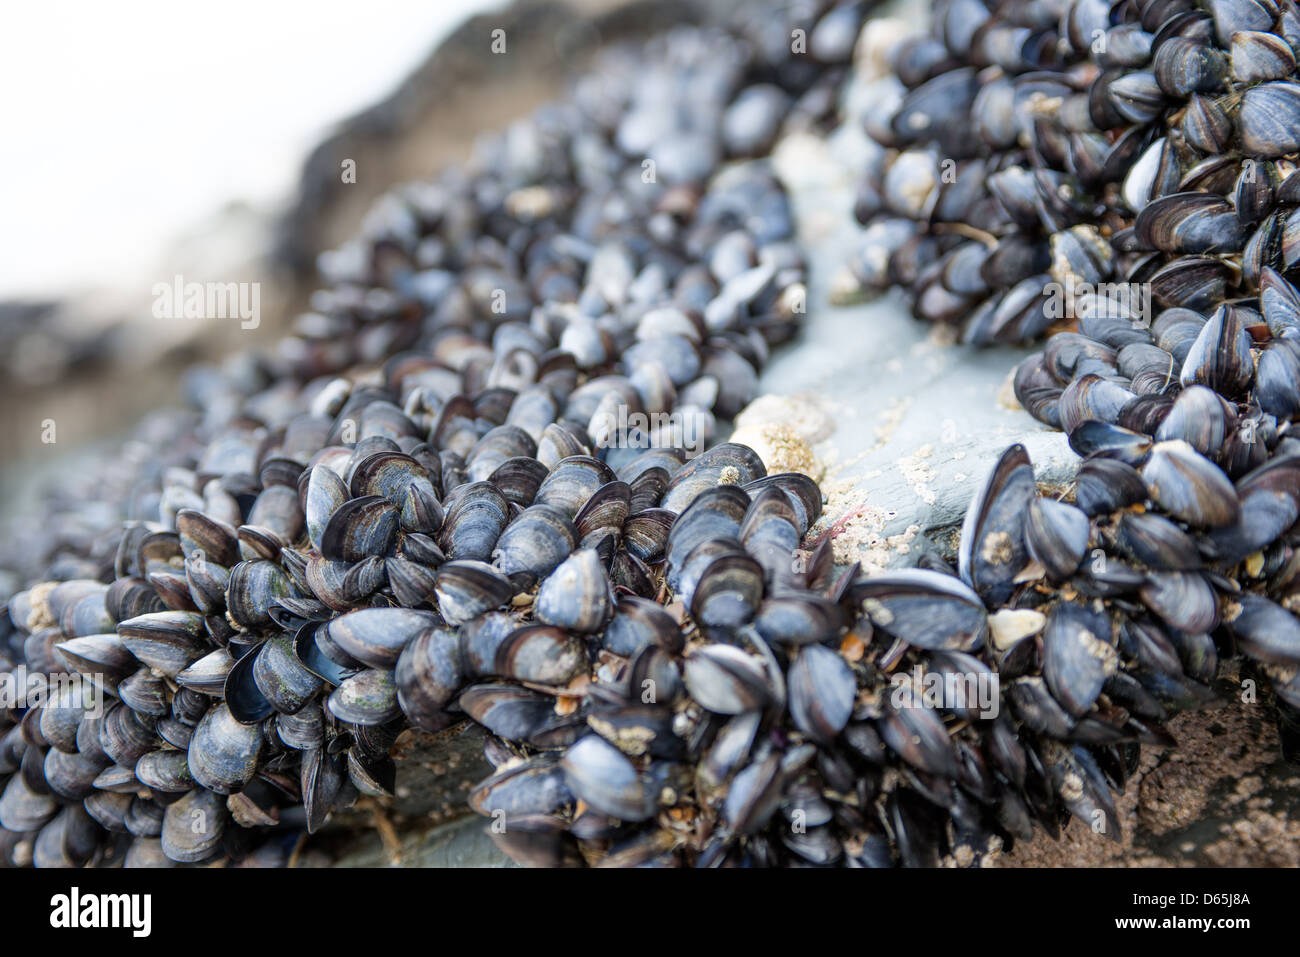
<point>438,489</point>
<point>471,486</point>
<point>1133,163</point>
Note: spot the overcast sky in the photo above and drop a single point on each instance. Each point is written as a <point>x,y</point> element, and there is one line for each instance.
<point>122,124</point>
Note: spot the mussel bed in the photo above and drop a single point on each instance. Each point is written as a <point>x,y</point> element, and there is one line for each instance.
<point>472,484</point>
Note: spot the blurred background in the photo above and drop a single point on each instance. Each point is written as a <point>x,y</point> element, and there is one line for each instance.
<point>155,139</point>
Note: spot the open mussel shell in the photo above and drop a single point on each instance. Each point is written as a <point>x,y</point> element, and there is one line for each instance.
<point>240,692</point>
<point>312,647</point>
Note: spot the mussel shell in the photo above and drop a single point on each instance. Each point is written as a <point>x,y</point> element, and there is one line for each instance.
<point>193,827</point>
<point>376,636</point>
<point>993,550</point>
<point>1189,486</point>
<point>637,624</point>
<point>167,640</point>
<point>1265,630</point>
<point>924,608</point>
<point>598,773</point>
<point>466,589</point>
<point>534,544</point>
<point>822,689</point>
<point>429,673</point>
<point>576,595</point>
<point>1078,656</point>
<point>1107,485</point>
<point>726,464</point>
<point>366,698</point>
<point>726,680</point>
<point>223,753</point>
